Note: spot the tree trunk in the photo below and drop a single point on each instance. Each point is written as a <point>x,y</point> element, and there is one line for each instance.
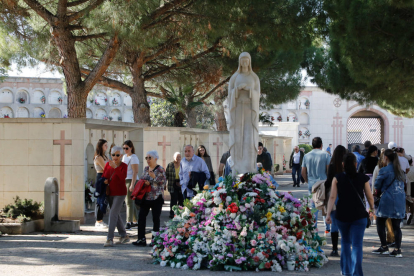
<point>191,117</point>
<point>221,122</point>
<point>179,119</point>
<point>140,105</point>
<point>76,104</point>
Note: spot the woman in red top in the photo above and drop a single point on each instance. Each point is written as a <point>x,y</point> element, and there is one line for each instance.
<point>115,173</point>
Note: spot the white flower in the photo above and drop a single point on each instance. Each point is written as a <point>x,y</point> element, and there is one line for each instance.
<point>228,199</point>
<point>172,265</point>
<point>178,265</point>
<point>163,263</point>
<point>196,267</point>
<point>233,215</point>
<point>195,259</point>
<point>185,267</point>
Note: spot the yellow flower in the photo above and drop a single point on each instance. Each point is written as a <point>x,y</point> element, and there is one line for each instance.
<point>269,216</point>
<point>282,209</point>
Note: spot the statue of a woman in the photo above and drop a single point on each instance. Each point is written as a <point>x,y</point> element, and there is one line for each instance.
<point>244,95</point>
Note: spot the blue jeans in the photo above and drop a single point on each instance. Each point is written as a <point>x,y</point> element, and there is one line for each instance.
<point>352,234</point>
<point>334,225</point>
<point>296,173</point>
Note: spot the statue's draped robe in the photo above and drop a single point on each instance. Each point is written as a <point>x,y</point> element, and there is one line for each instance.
<point>244,121</point>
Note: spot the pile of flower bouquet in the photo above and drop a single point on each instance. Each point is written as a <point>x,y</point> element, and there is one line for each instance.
<point>241,225</point>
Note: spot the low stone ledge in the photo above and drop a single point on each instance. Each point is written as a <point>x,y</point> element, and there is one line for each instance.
<point>22,228</point>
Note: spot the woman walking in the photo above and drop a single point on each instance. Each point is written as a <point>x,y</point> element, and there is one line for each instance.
<point>335,167</point>
<point>115,173</point>
<point>174,186</point>
<point>370,162</point>
<point>351,215</point>
<point>202,152</point>
<point>153,175</point>
<point>99,162</point>
<point>389,185</point>
<point>132,162</point>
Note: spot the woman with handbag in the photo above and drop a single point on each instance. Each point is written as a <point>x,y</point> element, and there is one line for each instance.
<point>115,173</point>
<point>334,168</point>
<point>154,176</point>
<point>202,152</point>
<point>174,187</point>
<point>351,215</point>
<point>99,163</point>
<point>132,161</point>
<point>389,190</point>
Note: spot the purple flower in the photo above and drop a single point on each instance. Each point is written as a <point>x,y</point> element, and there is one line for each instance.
<point>242,259</point>
<point>238,261</point>
<point>230,255</point>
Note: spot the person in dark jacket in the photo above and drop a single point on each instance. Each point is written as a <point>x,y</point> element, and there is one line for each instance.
<point>364,152</point>
<point>368,164</point>
<point>270,157</point>
<point>263,158</point>
<point>295,164</point>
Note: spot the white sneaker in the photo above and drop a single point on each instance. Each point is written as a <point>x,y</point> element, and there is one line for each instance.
<point>401,224</point>
<point>101,225</point>
<point>374,222</point>
<point>109,243</point>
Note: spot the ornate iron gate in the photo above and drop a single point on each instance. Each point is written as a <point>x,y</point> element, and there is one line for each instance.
<point>360,130</point>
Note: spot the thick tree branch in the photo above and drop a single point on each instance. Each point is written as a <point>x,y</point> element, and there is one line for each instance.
<point>75,27</point>
<point>62,8</point>
<point>168,45</point>
<point>103,63</point>
<point>108,82</point>
<point>76,3</point>
<point>184,62</point>
<point>166,7</point>
<point>40,10</point>
<point>155,95</point>
<point>85,37</point>
<point>85,11</point>
<point>220,84</point>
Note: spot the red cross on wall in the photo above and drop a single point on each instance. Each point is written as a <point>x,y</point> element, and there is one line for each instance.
<point>218,144</point>
<point>164,144</point>
<point>62,142</point>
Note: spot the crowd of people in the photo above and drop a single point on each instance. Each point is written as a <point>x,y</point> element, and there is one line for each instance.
<point>360,188</point>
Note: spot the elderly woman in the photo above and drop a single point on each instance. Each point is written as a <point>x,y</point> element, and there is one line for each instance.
<point>115,173</point>
<point>153,175</point>
<point>174,186</point>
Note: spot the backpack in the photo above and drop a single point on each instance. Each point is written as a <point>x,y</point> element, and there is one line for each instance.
<point>318,194</point>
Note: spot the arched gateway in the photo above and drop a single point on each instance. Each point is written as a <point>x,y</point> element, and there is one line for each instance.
<point>367,125</point>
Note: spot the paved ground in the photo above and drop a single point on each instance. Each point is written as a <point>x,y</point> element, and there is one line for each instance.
<point>82,253</point>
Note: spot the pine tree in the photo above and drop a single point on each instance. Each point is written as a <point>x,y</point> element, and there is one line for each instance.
<point>53,32</point>
<point>368,56</point>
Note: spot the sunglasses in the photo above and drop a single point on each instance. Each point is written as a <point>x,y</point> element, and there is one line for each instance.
<point>125,148</point>
<point>117,155</point>
<point>148,158</point>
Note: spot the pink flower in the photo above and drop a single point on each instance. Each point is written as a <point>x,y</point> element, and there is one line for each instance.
<point>253,242</point>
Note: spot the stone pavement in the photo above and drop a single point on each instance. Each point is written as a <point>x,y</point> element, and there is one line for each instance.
<point>82,253</point>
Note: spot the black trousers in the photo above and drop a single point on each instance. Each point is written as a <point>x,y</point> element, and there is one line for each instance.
<point>156,208</point>
<point>296,173</point>
<point>98,213</point>
<point>176,198</point>
<point>395,226</point>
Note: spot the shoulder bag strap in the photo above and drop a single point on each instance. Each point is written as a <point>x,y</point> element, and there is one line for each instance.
<point>388,187</point>
<point>353,187</point>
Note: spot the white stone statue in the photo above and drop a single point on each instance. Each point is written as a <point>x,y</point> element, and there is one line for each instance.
<point>244,95</point>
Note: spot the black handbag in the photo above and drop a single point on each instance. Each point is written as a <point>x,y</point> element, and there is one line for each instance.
<point>363,204</point>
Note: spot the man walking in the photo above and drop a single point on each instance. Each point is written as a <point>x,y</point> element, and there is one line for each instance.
<point>359,156</point>
<point>295,163</point>
<point>190,167</point>
<point>315,168</point>
<point>329,149</point>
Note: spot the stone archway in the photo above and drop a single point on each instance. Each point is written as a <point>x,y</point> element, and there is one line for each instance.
<point>367,124</point>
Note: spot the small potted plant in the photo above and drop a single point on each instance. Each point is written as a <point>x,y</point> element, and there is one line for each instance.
<point>120,118</point>
<point>106,118</point>
<point>65,116</point>
<point>105,99</point>
<point>300,133</point>
<point>294,119</point>
<point>279,118</point>
<point>114,101</point>
<point>42,115</point>
<point>91,100</point>
<point>60,100</point>
<point>96,102</point>
<point>110,118</point>
<point>22,100</point>
<point>287,119</point>
<point>6,116</point>
<point>307,133</point>
<point>43,99</point>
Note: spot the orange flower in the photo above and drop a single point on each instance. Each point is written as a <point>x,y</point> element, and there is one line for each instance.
<point>192,215</point>
<point>187,225</point>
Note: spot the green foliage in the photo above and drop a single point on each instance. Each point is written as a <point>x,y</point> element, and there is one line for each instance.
<point>163,114</point>
<point>307,147</point>
<point>23,209</point>
<point>369,55</point>
<point>266,119</point>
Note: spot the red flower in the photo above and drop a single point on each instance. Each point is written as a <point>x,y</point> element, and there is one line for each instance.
<point>256,259</point>
<point>268,265</point>
<point>309,215</point>
<point>299,235</point>
<point>304,222</point>
<point>252,250</point>
<point>262,201</point>
<point>233,208</point>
